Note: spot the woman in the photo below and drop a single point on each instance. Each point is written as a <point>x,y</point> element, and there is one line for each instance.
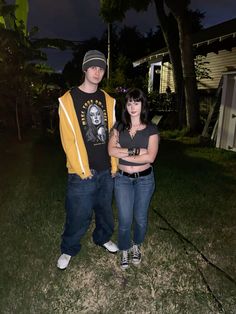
<point>135,142</point>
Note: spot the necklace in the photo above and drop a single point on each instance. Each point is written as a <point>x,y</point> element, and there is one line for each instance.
<point>133,130</point>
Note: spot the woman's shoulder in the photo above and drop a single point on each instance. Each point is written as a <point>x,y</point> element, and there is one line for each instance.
<point>152,128</point>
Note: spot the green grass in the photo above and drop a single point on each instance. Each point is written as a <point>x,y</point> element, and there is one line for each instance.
<point>189,253</point>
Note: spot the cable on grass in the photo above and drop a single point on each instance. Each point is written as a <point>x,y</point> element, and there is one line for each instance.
<point>184,239</point>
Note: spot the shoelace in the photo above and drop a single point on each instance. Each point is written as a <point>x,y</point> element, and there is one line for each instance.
<point>125,257</point>
<point>136,251</point>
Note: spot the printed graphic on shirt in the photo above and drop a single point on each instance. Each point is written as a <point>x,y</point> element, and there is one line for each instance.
<point>94,121</point>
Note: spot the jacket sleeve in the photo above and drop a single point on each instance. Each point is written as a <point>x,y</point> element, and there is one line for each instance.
<point>111,120</point>
<point>71,146</point>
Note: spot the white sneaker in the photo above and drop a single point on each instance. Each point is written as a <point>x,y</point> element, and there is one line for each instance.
<point>111,247</point>
<point>63,261</point>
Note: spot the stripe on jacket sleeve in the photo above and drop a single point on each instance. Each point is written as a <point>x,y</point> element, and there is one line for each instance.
<point>114,112</point>
<point>72,128</point>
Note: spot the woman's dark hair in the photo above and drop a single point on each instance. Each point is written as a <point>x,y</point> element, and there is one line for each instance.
<point>134,94</point>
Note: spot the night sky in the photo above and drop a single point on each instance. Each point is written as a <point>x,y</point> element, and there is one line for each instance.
<point>79,20</point>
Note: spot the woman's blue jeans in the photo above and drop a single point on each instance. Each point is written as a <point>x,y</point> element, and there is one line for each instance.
<point>82,198</point>
<point>133,196</point>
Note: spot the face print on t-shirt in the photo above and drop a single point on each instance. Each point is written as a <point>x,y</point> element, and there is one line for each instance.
<point>94,121</point>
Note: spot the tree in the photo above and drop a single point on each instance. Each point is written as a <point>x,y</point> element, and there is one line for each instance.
<point>171,36</point>
<point>17,69</point>
<point>24,77</point>
<point>179,45</point>
<point>180,11</point>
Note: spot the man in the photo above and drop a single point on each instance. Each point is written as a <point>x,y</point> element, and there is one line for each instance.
<point>90,169</point>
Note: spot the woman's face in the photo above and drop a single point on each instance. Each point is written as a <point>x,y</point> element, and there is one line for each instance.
<point>95,115</point>
<point>134,108</point>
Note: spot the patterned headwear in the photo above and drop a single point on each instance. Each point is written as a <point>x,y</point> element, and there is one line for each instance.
<point>94,58</point>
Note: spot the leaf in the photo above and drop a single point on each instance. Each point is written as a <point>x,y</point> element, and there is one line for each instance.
<point>2,21</point>
<point>21,14</point>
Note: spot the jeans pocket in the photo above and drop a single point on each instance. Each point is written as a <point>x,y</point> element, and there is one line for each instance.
<point>149,179</point>
<point>73,178</point>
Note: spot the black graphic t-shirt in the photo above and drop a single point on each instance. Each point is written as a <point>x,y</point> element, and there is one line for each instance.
<point>92,117</point>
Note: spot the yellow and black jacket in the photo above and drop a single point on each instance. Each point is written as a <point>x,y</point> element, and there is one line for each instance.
<point>72,139</point>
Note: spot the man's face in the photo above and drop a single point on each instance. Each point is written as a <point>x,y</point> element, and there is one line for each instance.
<point>94,74</point>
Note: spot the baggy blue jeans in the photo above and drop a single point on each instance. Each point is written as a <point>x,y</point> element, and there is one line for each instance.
<point>133,196</point>
<point>84,196</point>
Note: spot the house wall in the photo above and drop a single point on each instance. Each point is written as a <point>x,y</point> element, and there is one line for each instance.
<point>218,63</point>
<point>166,77</point>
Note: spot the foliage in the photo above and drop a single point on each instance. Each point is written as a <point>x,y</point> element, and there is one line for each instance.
<point>202,72</point>
<point>20,75</point>
<point>21,14</point>
<point>72,72</point>
<point>124,43</point>
<point>25,78</point>
<point>178,41</point>
<point>162,102</point>
<point>112,10</point>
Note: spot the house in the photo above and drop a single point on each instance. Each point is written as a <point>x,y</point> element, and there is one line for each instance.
<point>226,122</point>
<point>217,47</point>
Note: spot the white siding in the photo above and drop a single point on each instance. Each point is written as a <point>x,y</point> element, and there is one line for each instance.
<point>218,63</point>
<point>166,77</point>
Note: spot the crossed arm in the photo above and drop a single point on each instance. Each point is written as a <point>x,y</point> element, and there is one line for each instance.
<point>145,155</point>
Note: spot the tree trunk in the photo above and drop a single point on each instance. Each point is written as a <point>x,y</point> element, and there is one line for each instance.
<point>190,82</point>
<point>180,11</point>
<point>172,41</point>
<point>175,58</point>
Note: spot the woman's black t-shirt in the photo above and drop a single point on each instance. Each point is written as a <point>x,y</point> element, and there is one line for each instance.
<point>140,139</point>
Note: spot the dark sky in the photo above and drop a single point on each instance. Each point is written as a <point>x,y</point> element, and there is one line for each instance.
<point>79,20</point>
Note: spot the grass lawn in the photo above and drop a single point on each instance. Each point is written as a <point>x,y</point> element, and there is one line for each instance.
<point>189,256</point>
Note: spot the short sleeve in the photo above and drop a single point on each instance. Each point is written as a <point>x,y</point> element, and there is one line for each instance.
<point>152,129</point>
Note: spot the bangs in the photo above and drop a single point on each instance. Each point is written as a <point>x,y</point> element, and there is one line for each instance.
<point>132,99</point>
<point>134,95</point>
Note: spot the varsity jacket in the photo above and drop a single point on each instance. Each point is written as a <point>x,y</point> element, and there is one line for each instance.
<point>72,139</point>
